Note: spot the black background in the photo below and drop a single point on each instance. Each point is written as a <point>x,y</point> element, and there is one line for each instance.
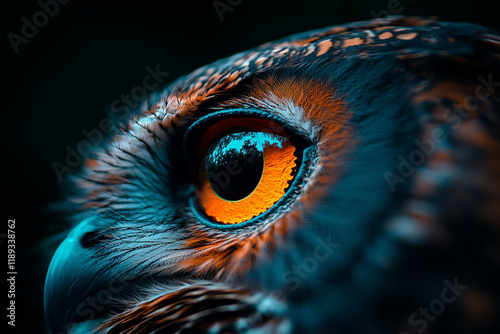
<point>64,80</point>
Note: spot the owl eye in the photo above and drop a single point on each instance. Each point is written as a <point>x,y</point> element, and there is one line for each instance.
<point>243,166</point>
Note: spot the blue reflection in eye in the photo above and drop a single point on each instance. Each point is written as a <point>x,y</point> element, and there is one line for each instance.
<point>234,163</point>
<point>244,143</point>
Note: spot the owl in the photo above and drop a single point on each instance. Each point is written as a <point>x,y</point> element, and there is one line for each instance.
<point>342,180</point>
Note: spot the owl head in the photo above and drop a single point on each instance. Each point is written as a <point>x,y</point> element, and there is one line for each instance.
<point>334,181</point>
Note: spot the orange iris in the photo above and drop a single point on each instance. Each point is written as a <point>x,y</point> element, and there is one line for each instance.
<point>243,173</point>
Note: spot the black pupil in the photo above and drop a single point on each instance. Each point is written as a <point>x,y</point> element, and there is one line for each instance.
<point>234,166</point>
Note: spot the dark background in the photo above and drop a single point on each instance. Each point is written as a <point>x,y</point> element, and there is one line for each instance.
<point>64,80</point>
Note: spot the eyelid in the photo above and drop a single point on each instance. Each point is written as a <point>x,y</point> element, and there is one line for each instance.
<point>229,125</point>
<point>205,130</point>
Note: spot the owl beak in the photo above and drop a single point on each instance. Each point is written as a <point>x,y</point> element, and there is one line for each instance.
<point>75,291</point>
